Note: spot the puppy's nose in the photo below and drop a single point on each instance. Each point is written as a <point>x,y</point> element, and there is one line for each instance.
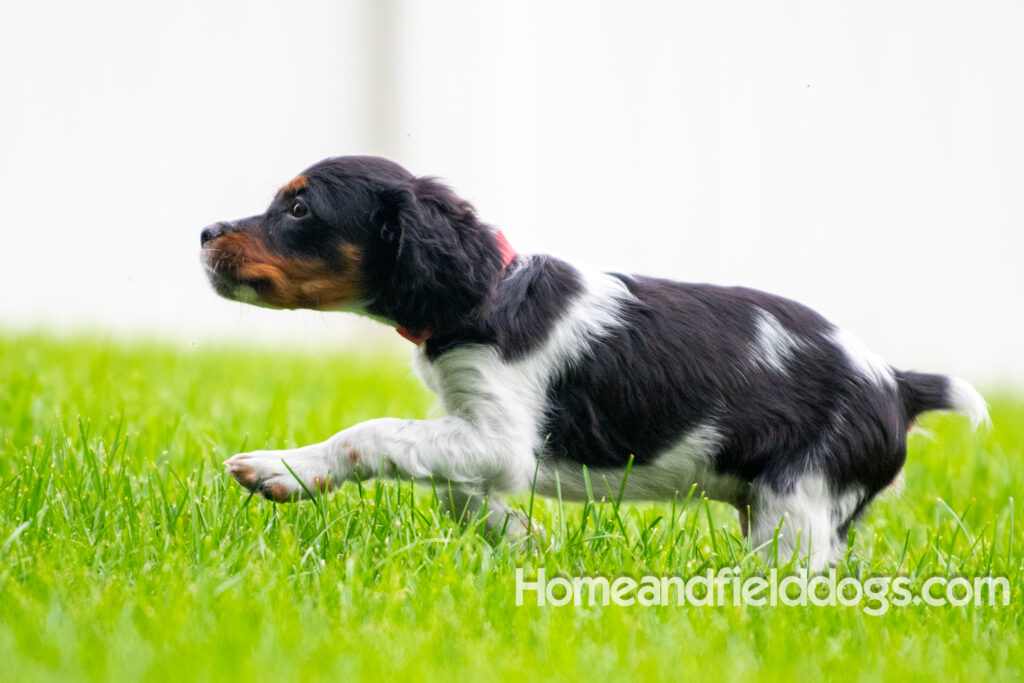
<point>212,232</point>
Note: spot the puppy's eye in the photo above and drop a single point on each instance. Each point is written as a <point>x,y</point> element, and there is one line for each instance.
<point>298,209</point>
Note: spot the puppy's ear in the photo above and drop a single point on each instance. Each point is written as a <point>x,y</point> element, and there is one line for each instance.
<point>446,262</point>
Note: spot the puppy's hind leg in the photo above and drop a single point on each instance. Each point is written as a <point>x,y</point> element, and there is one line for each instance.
<point>805,514</point>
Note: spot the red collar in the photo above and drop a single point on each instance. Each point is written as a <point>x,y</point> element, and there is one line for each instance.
<point>507,254</point>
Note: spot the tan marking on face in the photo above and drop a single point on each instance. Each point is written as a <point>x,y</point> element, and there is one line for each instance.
<point>288,281</point>
<point>295,185</point>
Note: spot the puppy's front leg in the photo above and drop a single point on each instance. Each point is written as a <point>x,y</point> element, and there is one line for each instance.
<point>287,474</point>
<point>498,517</point>
<point>451,448</point>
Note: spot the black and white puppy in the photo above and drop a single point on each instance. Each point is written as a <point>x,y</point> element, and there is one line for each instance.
<point>543,368</point>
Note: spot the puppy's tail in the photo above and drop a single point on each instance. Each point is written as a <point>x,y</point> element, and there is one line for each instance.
<point>922,392</point>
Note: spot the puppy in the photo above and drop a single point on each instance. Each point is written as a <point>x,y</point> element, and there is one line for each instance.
<point>543,368</point>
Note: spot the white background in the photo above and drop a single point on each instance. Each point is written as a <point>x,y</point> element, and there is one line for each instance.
<point>866,158</point>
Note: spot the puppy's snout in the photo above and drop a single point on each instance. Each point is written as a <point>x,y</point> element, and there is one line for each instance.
<point>212,232</point>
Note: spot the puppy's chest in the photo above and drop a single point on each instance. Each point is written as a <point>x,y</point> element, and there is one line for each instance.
<point>475,383</point>
<point>427,373</point>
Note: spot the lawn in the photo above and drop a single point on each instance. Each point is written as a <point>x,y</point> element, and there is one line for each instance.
<point>127,554</point>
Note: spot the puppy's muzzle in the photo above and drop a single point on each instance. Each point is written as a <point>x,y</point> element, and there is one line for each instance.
<point>212,232</point>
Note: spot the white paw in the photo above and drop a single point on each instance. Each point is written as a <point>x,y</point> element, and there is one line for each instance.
<point>264,472</point>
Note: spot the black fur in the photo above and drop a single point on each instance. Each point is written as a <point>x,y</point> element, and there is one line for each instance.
<point>684,358</point>
<point>522,312</point>
<point>922,392</point>
<point>446,263</point>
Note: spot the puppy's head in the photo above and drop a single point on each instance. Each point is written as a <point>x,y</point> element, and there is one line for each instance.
<point>362,234</point>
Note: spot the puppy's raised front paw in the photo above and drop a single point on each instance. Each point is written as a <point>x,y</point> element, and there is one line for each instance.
<point>265,473</point>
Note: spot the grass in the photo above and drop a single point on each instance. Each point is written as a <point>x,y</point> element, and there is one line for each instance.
<point>127,554</point>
